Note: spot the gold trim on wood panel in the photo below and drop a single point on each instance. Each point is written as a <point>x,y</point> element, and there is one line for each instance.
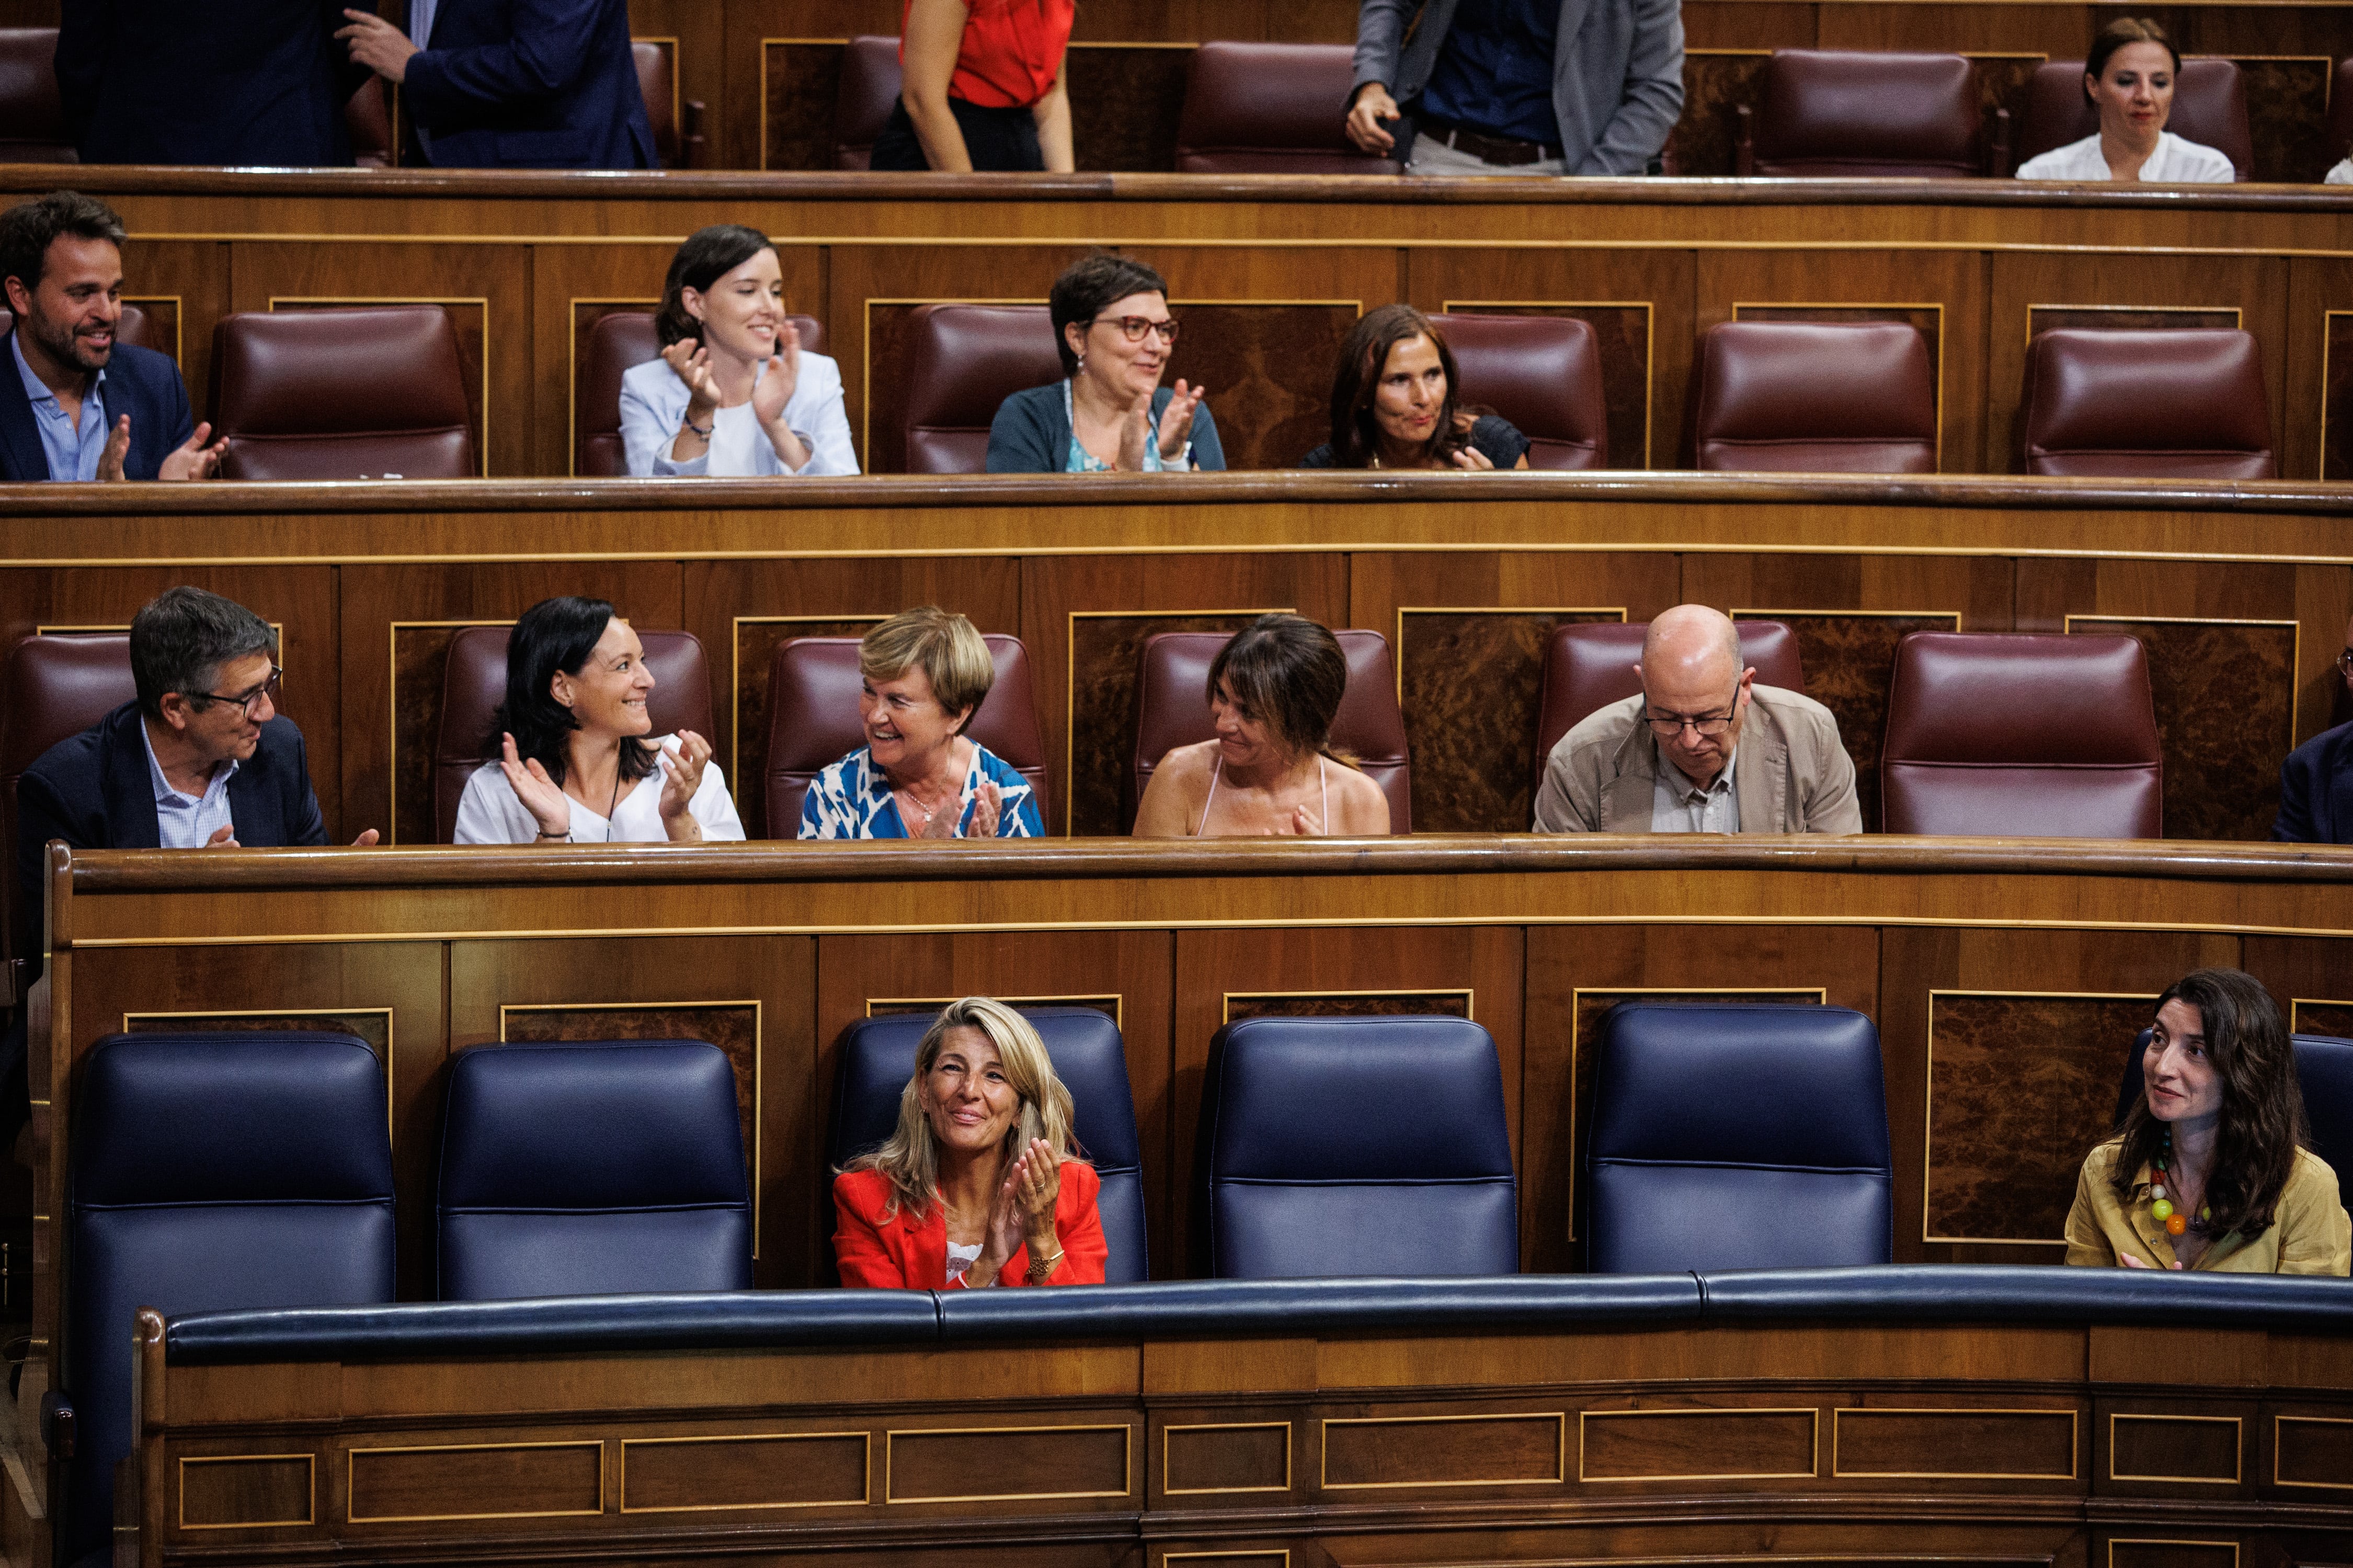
<point>2296,1002</point>
<point>2238,1448</point>
<point>311,1484</point>
<point>1814,1416</point>
<point>1281,1552</point>
<point>2321,470</point>
<point>49,630</point>
<point>1470,1005</point>
<point>392,713</point>
<point>1071,683</point>
<point>1127,1453</point>
<point>1758,615</point>
<point>1928,1106</point>
<point>1936,305</point>
<point>2278,1423</point>
<point>1397,648</point>
<point>351,1470</point>
<point>735,687</point>
<point>2238,316</point>
<point>2296,645</point>
<point>759,1043</point>
<point>572,345</point>
<point>130,1018</point>
<point>1168,1491</point>
<point>483,456</point>
<point>866,306</point>
<point>1650,319</point>
<point>865,1484</point>
<point>830,43</point>
<point>2115,1541</point>
<point>1118,1001</point>
<point>2074,1433</point>
<point>1559,1476</point>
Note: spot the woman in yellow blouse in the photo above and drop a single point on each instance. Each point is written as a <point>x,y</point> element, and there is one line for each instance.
<point>2210,1170</point>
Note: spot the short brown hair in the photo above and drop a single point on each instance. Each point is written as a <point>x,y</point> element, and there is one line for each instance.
<point>28,229</point>
<point>1291,674</point>
<point>1087,286</point>
<point>944,646</point>
<point>2115,36</point>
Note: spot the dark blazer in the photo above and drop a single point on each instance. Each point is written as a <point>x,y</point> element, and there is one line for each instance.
<point>1032,435</point>
<point>139,382</point>
<point>94,792</point>
<point>2316,791</point>
<point>162,81</point>
<point>529,84</point>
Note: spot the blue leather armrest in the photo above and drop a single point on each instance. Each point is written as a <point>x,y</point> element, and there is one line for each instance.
<point>1995,1293</point>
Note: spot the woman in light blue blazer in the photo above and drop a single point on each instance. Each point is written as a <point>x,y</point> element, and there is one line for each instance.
<point>734,393</point>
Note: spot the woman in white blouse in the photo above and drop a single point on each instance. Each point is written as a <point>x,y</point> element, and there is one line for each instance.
<point>2128,78</point>
<point>570,766</point>
<point>734,393</point>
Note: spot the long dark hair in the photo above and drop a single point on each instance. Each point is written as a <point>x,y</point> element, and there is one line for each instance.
<point>1355,437</point>
<point>1291,674</point>
<point>703,258</point>
<point>553,635</point>
<point>2262,1122</point>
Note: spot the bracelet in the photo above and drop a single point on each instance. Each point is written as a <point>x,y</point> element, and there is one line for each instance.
<point>565,834</point>
<point>1040,1270</point>
<point>702,430</point>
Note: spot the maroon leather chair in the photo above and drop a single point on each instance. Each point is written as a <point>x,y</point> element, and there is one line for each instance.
<point>1586,667</point>
<point>869,87</point>
<point>813,722</point>
<point>1271,109</point>
<point>135,326</point>
<point>2340,111</point>
<point>618,343</point>
<point>2210,107</point>
<point>32,115</point>
<point>677,124</point>
<point>2160,404</point>
<point>1541,373</point>
<point>341,394</point>
<point>2021,736</point>
<point>962,362</point>
<point>1816,398</point>
<point>1833,112</point>
<point>474,683</point>
<point>56,688</point>
<point>1173,674</point>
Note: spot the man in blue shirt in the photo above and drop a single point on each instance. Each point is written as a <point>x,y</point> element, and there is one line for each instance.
<point>1518,87</point>
<point>81,406</point>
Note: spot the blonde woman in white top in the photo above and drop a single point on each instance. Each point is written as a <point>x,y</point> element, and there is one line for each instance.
<point>2128,77</point>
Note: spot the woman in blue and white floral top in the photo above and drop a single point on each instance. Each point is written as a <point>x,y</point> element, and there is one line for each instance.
<point>924,674</point>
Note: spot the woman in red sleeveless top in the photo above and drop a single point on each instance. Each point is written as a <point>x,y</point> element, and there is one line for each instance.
<point>983,88</point>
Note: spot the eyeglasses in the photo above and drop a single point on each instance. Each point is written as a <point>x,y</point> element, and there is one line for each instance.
<point>1133,328</point>
<point>2345,664</point>
<point>245,704</point>
<point>1667,726</point>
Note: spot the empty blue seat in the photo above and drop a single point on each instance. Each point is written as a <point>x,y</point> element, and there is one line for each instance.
<point>1737,1136</point>
<point>2324,1069</point>
<point>210,1171</point>
<point>592,1168</point>
<point>1355,1146</point>
<point>878,1058</point>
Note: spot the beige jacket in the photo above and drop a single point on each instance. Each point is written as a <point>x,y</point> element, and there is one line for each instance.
<point>2309,1234</point>
<point>1794,775</point>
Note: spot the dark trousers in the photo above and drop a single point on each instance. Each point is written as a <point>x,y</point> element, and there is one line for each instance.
<point>998,140</point>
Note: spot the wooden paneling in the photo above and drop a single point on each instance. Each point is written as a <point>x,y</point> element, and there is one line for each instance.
<point>476,1481</point>
<point>1959,1443</point>
<point>1697,1445</point>
<point>793,1469</point>
<point>1444,1451</point>
<point>1005,1464</point>
<point>248,1492</point>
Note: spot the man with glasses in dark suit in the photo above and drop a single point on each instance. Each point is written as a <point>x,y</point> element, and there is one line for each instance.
<point>2317,781</point>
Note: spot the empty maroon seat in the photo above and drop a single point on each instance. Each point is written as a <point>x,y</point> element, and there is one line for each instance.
<point>1172,710</point>
<point>813,720</point>
<point>618,343</point>
<point>2175,404</point>
<point>1816,398</point>
<point>962,361</point>
<point>2021,736</point>
<point>369,392</point>
<point>862,107</point>
<point>32,114</point>
<point>2209,108</point>
<point>1541,373</point>
<point>1271,109</point>
<point>1588,667</point>
<point>1831,112</point>
<point>56,688</point>
<point>474,683</point>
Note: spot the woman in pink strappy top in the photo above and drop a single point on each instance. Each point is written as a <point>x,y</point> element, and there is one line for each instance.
<point>1272,692</point>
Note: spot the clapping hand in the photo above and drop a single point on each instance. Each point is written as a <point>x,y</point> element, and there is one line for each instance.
<point>1134,432</point>
<point>780,379</point>
<point>1024,1214</point>
<point>1177,420</point>
<point>688,751</point>
<point>224,837</point>
<point>538,793</point>
<point>988,803</point>
<point>691,362</point>
<point>191,459</point>
<point>1305,823</point>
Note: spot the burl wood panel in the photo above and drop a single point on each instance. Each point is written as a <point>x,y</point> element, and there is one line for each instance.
<point>1270,365</point>
<point>2336,397</point>
<point>373,1026</point>
<point>1470,680</point>
<point>1348,1005</point>
<point>1444,1451</point>
<point>1005,1463</point>
<point>1104,654</point>
<point>777,1470</point>
<point>2334,1019</point>
<point>1716,84</point>
<point>801,80</point>
<point>1622,334</point>
<point>246,1492</point>
<point>2314,1452</point>
<point>471,318</point>
<point>2019,1086</point>
<point>1849,664</point>
<point>1975,1445</point>
<point>2288,113</point>
<point>2225,698</point>
<point>2139,1552</point>
<point>507,1481</point>
<point>2202,1450</point>
<point>1125,103</point>
<point>1253,1456</point>
<point>1687,1444</point>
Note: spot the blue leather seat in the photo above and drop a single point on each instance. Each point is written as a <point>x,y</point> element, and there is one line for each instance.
<point>210,1173</point>
<point>592,1168</point>
<point>2323,1068</point>
<point>878,1058</point>
<point>1732,1136</point>
<point>1333,1147</point>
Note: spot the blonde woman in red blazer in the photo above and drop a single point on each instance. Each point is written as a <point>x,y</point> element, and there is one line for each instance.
<point>979,1185</point>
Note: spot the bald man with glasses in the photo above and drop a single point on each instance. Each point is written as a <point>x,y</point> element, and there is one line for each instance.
<point>1702,749</point>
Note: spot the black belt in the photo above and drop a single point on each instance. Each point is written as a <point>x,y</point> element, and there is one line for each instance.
<point>1485,148</point>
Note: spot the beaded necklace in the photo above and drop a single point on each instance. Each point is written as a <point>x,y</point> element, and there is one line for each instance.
<point>2175,1221</point>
